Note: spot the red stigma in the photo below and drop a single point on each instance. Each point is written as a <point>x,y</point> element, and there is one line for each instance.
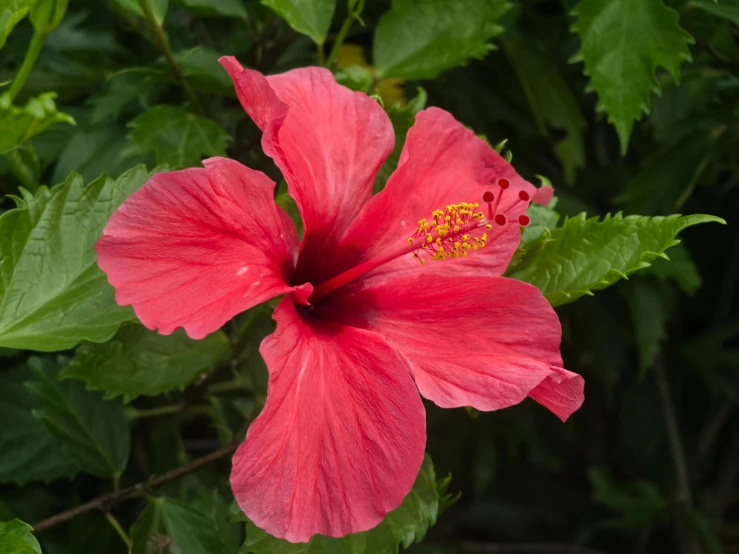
<point>488,196</point>
<point>524,196</point>
<point>524,220</point>
<point>500,219</point>
<point>504,183</point>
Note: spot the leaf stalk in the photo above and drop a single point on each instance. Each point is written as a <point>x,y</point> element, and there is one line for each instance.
<point>34,48</point>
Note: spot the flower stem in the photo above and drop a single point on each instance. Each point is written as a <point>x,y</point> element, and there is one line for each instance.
<point>161,39</point>
<point>354,11</point>
<point>37,41</point>
<point>118,529</point>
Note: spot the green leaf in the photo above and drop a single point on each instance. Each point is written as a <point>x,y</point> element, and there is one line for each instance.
<point>46,15</point>
<point>169,526</point>
<point>309,17</point>
<point>200,66</point>
<point>407,524</point>
<point>17,537</point>
<point>93,432</point>
<point>25,166</point>
<point>669,177</point>
<point>728,9</point>
<point>402,120</point>
<point>30,452</point>
<point>11,13</point>
<point>649,304</point>
<point>543,220</point>
<point>623,43</point>
<point>204,492</point>
<point>142,362</point>
<point>552,103</point>
<point>52,293</point>
<point>93,151</point>
<point>418,39</point>
<point>178,137</point>
<point>680,267</point>
<point>637,503</point>
<point>586,255</point>
<point>159,7</point>
<point>707,531</point>
<point>20,124</point>
<point>216,8</point>
<point>121,90</point>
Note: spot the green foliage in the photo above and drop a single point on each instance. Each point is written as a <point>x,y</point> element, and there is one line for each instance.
<point>585,255</point>
<point>24,165</point>
<point>32,453</point>
<point>217,8</point>
<point>52,294</point>
<point>404,526</point>
<point>21,124</point>
<point>90,88</point>
<point>123,365</point>
<point>16,537</point>
<point>158,7</point>
<point>309,17</point>
<point>402,120</point>
<point>420,39</point>
<point>552,102</point>
<point>635,504</point>
<point>667,178</point>
<point>178,137</point>
<point>728,9</point>
<point>680,268</point>
<point>11,13</point>
<point>649,305</point>
<point>46,15</point>
<point>92,432</point>
<point>623,43</point>
<point>168,525</point>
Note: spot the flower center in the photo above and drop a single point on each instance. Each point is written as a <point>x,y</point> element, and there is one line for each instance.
<point>449,233</point>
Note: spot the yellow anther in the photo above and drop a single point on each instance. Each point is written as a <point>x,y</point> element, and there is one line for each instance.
<point>488,226</point>
<point>410,240</point>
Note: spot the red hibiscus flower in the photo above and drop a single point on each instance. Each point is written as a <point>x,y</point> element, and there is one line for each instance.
<point>385,295</point>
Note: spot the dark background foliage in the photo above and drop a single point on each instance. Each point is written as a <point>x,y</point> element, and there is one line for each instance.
<point>648,465</point>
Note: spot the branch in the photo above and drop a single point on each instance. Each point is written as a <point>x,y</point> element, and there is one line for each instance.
<point>525,548</point>
<point>106,501</point>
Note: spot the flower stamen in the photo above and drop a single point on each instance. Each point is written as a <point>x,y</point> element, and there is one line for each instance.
<point>449,233</point>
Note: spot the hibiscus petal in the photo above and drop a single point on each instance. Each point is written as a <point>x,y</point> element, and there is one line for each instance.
<point>328,141</point>
<point>486,342</point>
<point>442,163</point>
<point>193,248</point>
<point>341,437</point>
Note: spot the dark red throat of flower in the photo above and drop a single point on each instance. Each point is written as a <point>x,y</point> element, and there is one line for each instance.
<point>450,233</point>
